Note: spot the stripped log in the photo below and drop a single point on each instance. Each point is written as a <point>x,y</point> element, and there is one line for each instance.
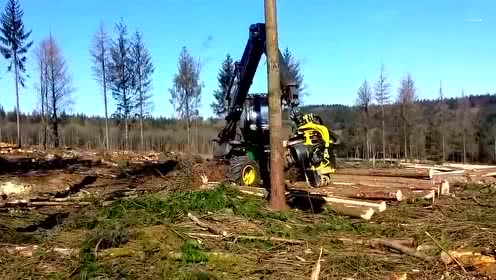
<point>388,172</point>
<point>379,195</point>
<point>355,211</point>
<point>260,192</point>
<point>357,203</point>
<point>27,203</point>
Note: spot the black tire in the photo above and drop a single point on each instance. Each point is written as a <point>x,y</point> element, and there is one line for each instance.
<point>239,166</point>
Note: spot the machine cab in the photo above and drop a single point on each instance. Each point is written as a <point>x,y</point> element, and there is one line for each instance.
<point>254,122</point>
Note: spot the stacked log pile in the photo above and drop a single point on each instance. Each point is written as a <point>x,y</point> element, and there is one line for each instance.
<point>360,192</point>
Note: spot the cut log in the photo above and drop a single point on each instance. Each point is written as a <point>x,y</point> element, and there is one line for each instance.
<point>409,242</point>
<point>205,225</point>
<point>349,202</point>
<point>354,211</point>
<point>445,188</point>
<point>405,250</point>
<point>260,192</point>
<point>379,195</point>
<point>421,195</point>
<point>388,172</point>
<point>466,258</point>
<point>469,166</point>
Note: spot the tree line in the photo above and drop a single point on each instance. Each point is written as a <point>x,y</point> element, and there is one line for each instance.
<point>385,122</point>
<point>382,123</point>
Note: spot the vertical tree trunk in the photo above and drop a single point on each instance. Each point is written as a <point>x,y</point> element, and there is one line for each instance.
<point>444,152</point>
<point>55,119</point>
<point>16,74</point>
<point>142,137</point>
<point>383,136</point>
<point>104,80</point>
<point>494,146</point>
<point>126,128</point>
<point>188,121</point>
<point>404,136</point>
<point>464,147</point>
<point>43,124</point>
<point>277,198</point>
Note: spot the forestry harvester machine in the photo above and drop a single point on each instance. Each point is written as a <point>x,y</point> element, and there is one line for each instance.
<point>244,141</point>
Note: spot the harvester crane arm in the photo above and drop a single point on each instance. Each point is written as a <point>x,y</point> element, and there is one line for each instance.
<point>240,84</point>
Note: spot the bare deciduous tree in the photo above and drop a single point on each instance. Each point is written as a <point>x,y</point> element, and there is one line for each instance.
<point>41,54</point>
<point>142,79</point>
<point>363,102</point>
<point>59,85</point>
<point>186,89</point>
<point>406,99</point>
<point>100,56</point>
<point>382,96</point>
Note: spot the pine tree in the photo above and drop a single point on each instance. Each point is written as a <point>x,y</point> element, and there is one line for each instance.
<point>186,89</point>
<point>295,72</point>
<point>13,47</point>
<point>142,80</point>
<point>121,75</point>
<point>225,79</point>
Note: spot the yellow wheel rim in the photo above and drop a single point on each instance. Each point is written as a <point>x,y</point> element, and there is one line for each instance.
<point>248,175</point>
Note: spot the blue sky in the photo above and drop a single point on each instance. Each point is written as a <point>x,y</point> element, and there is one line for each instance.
<point>339,43</point>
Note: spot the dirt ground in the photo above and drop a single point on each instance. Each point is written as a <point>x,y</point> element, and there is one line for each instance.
<point>70,214</point>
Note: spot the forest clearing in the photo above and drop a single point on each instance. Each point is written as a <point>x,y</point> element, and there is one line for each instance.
<point>83,214</point>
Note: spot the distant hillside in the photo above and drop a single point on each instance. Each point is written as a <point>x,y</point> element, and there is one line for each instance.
<point>424,130</point>
<point>426,139</point>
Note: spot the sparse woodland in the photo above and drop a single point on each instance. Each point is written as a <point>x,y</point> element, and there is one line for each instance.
<point>387,120</point>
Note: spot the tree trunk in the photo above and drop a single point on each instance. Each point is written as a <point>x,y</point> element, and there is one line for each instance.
<point>142,137</point>
<point>464,148</point>
<point>404,136</point>
<point>383,136</point>
<point>55,118</point>
<point>495,147</point>
<point>387,172</point>
<point>43,124</point>
<point>367,143</point>
<point>126,128</point>
<point>45,132</point>
<point>104,81</point>
<point>444,152</point>
<point>277,197</point>
<point>16,74</point>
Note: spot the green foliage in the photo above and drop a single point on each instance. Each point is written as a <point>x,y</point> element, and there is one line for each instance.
<point>13,45</point>
<point>186,86</point>
<point>121,72</point>
<point>295,73</point>
<point>193,252</point>
<point>225,78</point>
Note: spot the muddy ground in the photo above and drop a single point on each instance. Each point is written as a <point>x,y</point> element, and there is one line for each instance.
<point>71,214</point>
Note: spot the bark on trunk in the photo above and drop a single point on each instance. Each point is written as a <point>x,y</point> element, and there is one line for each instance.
<point>379,195</point>
<point>16,69</point>
<point>383,136</point>
<point>389,172</point>
<point>104,81</point>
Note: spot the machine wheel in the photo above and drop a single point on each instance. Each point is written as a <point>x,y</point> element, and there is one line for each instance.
<point>244,171</point>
